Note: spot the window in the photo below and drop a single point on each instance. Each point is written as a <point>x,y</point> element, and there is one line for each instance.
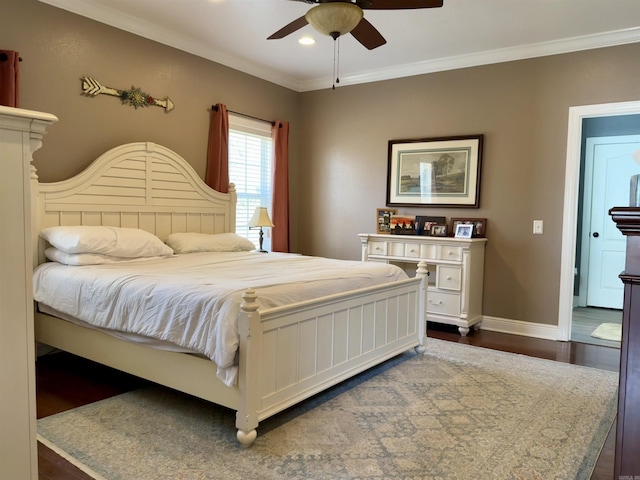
<point>250,169</point>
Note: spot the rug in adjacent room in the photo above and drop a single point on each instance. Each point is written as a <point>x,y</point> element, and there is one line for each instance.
<point>459,412</point>
<point>608,331</point>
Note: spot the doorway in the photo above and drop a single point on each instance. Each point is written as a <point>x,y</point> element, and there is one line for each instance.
<point>608,166</point>
<point>572,233</point>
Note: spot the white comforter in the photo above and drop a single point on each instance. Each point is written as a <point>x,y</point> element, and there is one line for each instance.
<point>193,300</point>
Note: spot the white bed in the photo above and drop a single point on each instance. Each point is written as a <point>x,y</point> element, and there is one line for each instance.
<point>285,353</point>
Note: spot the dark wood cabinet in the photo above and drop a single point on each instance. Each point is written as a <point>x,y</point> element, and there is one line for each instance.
<point>627,456</point>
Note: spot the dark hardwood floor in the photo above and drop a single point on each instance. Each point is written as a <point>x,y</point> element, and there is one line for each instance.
<point>65,382</point>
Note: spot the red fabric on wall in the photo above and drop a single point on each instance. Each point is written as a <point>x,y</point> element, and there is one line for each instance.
<point>217,176</point>
<point>9,78</point>
<point>280,207</point>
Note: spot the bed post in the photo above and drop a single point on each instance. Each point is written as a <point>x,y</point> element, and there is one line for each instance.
<point>248,370</point>
<point>422,272</point>
<point>232,207</point>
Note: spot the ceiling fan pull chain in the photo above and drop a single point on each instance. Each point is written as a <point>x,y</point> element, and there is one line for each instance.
<point>336,61</point>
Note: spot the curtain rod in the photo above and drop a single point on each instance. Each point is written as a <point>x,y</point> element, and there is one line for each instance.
<point>215,107</point>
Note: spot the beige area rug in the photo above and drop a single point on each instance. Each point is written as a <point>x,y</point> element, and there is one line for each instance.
<point>459,412</point>
<point>608,331</point>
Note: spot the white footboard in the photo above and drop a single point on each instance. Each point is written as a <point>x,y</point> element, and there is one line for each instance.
<point>290,353</point>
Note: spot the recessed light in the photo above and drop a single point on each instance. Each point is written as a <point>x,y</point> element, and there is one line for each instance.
<point>306,40</point>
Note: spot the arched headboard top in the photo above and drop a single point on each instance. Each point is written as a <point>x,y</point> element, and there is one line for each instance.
<point>136,185</point>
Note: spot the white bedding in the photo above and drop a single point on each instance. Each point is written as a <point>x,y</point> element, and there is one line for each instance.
<point>193,300</point>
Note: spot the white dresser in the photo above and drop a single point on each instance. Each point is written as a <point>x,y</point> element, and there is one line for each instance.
<point>456,270</point>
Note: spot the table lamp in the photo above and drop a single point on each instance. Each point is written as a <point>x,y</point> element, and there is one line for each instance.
<point>259,220</point>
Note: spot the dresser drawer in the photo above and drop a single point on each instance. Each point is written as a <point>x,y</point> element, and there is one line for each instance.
<point>428,252</point>
<point>396,249</point>
<point>449,277</point>
<point>377,248</point>
<point>450,253</point>
<point>412,250</point>
<point>443,303</point>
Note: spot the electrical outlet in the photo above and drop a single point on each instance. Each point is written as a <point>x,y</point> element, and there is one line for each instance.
<point>537,227</point>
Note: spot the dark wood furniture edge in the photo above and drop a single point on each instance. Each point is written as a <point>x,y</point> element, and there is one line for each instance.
<point>627,460</point>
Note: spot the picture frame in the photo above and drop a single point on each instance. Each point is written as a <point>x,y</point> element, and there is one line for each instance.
<point>439,230</point>
<point>383,219</point>
<point>443,172</point>
<point>479,226</point>
<point>424,224</point>
<point>402,225</point>
<point>464,230</point>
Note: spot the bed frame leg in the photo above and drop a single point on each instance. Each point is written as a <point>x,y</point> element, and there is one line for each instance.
<point>245,438</point>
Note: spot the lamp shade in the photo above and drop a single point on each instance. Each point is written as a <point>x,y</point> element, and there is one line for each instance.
<point>260,218</point>
<point>334,18</point>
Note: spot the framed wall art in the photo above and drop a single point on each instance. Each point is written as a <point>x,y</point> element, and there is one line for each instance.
<point>479,226</point>
<point>443,172</point>
<point>383,219</point>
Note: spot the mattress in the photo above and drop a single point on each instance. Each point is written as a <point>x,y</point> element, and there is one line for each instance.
<point>193,300</point>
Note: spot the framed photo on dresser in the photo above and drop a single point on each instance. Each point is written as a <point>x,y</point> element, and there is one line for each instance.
<point>383,219</point>
<point>479,226</point>
<point>424,224</point>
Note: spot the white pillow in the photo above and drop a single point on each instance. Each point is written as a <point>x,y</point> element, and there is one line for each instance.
<point>114,241</point>
<point>80,259</point>
<point>204,242</point>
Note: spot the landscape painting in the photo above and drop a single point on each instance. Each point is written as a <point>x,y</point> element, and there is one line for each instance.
<point>442,172</point>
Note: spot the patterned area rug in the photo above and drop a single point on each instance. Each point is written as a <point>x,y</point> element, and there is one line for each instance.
<point>608,331</point>
<point>459,412</point>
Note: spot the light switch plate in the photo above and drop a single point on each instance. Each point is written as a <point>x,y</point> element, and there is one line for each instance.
<point>537,227</point>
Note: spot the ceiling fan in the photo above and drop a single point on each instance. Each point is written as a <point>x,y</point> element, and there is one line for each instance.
<point>339,17</point>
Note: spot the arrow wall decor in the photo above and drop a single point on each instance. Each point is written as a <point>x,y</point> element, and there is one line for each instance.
<point>134,96</point>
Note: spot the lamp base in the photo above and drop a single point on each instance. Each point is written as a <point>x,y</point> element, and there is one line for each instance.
<point>260,249</point>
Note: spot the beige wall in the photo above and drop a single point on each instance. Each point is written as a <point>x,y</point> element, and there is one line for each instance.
<point>58,47</point>
<point>521,108</point>
<point>338,138</point>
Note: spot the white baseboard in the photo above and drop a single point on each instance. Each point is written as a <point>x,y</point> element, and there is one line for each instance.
<point>518,327</point>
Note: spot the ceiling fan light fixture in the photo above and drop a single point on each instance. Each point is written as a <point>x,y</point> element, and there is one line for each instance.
<point>334,18</point>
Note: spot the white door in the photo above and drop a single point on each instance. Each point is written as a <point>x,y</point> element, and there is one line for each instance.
<point>611,164</point>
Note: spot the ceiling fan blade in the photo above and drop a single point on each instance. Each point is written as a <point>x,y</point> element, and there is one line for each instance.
<point>290,28</point>
<point>367,35</point>
<point>398,4</point>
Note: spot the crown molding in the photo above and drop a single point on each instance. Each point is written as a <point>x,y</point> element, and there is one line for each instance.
<point>567,45</point>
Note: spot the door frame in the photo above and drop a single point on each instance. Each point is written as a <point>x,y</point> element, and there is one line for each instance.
<point>570,210</point>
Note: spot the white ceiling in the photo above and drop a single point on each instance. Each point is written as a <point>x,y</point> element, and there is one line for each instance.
<point>462,33</point>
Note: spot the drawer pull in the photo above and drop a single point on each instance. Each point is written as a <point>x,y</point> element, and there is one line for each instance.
<point>449,252</point>
<point>411,251</point>
<point>378,248</point>
<point>448,278</point>
<point>439,302</point>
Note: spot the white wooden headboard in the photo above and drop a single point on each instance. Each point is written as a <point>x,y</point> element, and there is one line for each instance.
<point>136,185</point>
